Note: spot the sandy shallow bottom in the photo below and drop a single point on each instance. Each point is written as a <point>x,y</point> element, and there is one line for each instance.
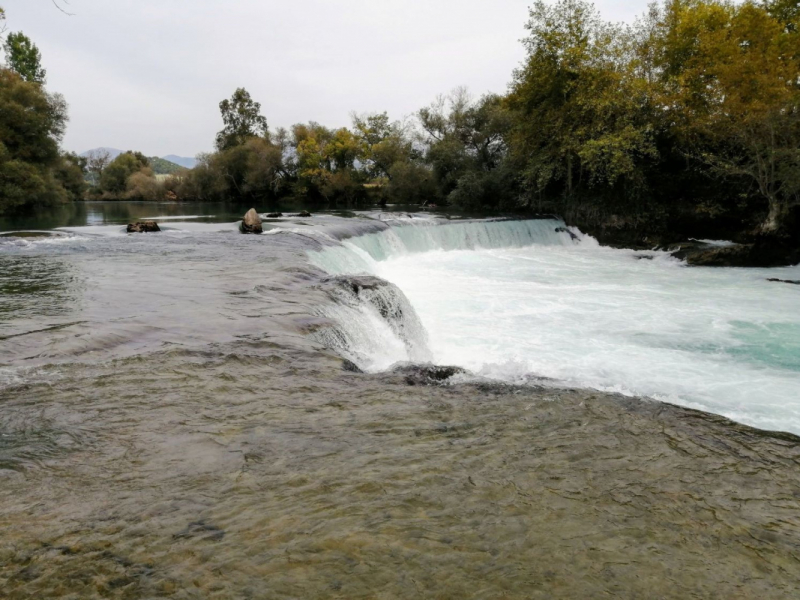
<point>255,472</point>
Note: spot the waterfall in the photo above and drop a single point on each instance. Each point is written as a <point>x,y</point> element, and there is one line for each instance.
<point>357,254</point>
<point>372,323</point>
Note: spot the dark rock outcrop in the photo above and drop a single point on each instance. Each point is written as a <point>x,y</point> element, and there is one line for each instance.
<point>276,215</point>
<point>304,213</point>
<point>792,281</point>
<point>764,252</point>
<point>349,365</point>
<point>565,230</point>
<point>143,227</point>
<point>426,374</point>
<point>251,223</point>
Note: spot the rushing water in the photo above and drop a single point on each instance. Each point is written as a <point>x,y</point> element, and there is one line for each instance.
<point>176,419</point>
<point>517,300</point>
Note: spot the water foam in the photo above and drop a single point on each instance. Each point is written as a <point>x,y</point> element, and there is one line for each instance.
<point>520,300</point>
<point>374,323</point>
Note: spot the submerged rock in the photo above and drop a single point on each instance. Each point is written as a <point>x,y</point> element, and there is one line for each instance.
<point>792,281</point>
<point>201,530</point>
<point>143,227</point>
<point>251,223</point>
<point>304,213</point>
<point>427,374</point>
<point>276,215</point>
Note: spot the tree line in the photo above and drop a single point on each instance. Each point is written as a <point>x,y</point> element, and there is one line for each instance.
<point>686,120</point>
<point>34,171</point>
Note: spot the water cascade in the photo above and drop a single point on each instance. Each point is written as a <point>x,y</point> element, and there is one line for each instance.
<point>518,301</point>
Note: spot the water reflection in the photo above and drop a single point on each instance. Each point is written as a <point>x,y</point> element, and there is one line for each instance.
<point>78,214</point>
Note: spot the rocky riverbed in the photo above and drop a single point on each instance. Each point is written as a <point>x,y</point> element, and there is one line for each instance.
<point>184,475</point>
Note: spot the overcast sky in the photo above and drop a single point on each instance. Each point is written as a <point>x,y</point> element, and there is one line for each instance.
<point>149,74</point>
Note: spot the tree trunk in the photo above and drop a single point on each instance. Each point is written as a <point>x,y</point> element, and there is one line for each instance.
<point>775,221</point>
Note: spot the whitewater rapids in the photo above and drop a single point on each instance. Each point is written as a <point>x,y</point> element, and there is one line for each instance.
<point>518,301</point>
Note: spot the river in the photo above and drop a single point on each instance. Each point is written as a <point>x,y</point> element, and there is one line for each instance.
<point>204,414</point>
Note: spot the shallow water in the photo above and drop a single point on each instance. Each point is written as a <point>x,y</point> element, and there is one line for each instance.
<point>176,419</point>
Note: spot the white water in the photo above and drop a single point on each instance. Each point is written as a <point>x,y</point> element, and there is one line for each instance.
<point>515,300</point>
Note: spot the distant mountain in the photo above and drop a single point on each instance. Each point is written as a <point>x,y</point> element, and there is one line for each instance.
<point>183,161</point>
<point>162,166</point>
<point>113,152</point>
<point>158,166</point>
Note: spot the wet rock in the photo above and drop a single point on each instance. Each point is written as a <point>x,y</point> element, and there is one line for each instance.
<point>792,281</point>
<point>763,252</point>
<point>349,365</point>
<point>304,213</point>
<point>276,215</point>
<point>565,230</point>
<point>416,374</point>
<point>143,227</point>
<point>251,223</point>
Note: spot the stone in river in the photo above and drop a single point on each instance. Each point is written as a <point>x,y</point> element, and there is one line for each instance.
<point>304,213</point>
<point>143,227</point>
<point>251,223</point>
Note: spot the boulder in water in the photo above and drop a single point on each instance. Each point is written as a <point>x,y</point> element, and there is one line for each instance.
<point>426,374</point>
<point>304,213</point>
<point>251,223</point>
<point>143,227</point>
<point>276,215</point>
<point>792,281</point>
<point>565,230</point>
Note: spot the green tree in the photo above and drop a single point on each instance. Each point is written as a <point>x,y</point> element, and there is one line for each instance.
<point>24,57</point>
<point>114,179</point>
<point>32,123</point>
<point>70,172</point>
<point>466,147</point>
<point>787,12</point>
<point>242,120</point>
<point>324,163</point>
<point>583,108</point>
<point>732,90</point>
<point>383,144</point>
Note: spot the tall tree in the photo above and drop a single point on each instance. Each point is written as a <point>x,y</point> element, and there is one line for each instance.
<point>733,91</point>
<point>242,118</point>
<point>114,179</point>
<point>582,107</point>
<point>384,144</point>
<point>24,57</point>
<point>32,123</point>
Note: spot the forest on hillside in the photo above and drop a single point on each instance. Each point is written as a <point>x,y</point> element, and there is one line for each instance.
<point>686,121</point>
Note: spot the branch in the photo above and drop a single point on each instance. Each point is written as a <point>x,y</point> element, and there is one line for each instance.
<point>55,3</point>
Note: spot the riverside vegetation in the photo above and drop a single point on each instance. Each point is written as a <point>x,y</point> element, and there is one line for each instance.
<point>683,124</point>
